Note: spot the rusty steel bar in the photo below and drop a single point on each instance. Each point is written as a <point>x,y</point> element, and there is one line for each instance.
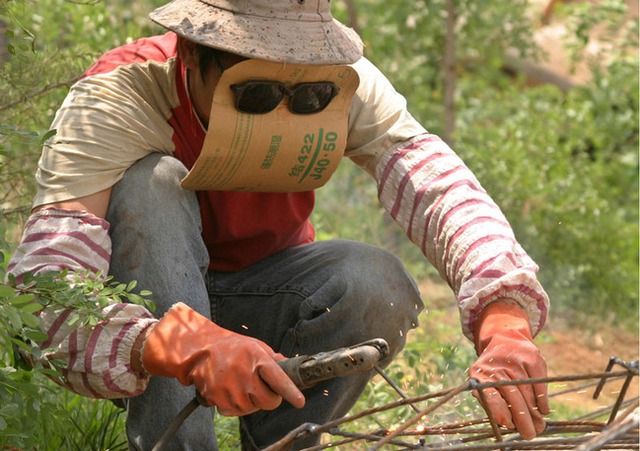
<point>452,393</point>
<point>621,396</point>
<point>393,385</point>
<point>462,434</point>
<point>613,431</point>
<point>492,420</point>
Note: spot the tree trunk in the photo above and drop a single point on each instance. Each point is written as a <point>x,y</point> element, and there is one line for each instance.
<point>449,69</point>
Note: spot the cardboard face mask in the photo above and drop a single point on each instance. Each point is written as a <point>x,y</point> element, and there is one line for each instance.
<point>278,151</point>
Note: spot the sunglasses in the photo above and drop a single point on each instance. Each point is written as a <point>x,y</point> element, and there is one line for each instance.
<point>260,97</point>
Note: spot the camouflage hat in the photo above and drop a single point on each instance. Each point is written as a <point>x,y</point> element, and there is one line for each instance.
<point>287,31</point>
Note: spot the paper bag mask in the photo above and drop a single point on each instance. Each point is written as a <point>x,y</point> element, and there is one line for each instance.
<point>278,151</point>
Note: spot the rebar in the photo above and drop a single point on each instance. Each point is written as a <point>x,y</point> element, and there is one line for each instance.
<point>619,431</point>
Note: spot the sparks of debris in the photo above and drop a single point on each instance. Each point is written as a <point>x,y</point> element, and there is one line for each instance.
<point>391,304</point>
<point>325,392</point>
<point>401,334</point>
<point>245,327</point>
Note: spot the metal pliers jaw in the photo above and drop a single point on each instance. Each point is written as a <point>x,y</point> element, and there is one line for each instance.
<point>306,371</point>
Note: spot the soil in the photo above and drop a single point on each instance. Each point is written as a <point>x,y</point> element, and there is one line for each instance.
<point>574,352</point>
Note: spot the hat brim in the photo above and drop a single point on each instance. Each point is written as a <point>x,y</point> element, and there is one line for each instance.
<point>284,41</point>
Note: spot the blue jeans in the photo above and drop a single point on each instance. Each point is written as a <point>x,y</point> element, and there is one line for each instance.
<point>302,300</point>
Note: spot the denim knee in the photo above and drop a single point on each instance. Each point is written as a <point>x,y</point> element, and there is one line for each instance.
<point>388,295</point>
<point>150,183</point>
<point>368,294</point>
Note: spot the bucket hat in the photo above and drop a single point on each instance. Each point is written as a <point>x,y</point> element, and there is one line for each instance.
<point>286,31</point>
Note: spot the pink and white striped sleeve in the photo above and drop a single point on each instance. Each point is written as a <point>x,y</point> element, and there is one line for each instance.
<point>98,357</point>
<point>436,199</point>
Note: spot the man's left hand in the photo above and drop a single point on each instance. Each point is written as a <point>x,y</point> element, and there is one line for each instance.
<point>507,352</point>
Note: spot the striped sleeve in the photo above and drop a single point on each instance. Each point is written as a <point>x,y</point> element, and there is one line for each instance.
<point>98,358</point>
<point>435,198</point>
<point>439,203</point>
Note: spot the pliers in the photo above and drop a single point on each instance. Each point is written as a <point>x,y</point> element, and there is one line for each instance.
<point>305,371</point>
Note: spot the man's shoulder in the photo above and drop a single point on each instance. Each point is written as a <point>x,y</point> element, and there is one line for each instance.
<point>159,48</point>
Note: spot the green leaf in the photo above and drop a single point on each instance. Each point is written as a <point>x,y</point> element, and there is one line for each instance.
<point>32,307</point>
<point>47,135</point>
<point>6,291</point>
<point>21,344</point>
<point>37,335</point>
<point>29,320</point>
<point>73,318</point>
<point>14,318</point>
<point>21,299</point>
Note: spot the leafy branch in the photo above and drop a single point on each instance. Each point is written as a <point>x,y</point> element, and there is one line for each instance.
<point>37,93</point>
<point>84,293</point>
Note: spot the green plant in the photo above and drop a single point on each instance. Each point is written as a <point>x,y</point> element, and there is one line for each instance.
<point>567,182</point>
<point>34,411</point>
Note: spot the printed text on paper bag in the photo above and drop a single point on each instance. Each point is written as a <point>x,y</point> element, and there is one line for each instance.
<point>314,155</point>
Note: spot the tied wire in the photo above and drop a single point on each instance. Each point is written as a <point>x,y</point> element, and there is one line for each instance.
<point>619,431</point>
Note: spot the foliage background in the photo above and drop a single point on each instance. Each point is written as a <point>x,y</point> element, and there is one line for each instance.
<point>563,165</point>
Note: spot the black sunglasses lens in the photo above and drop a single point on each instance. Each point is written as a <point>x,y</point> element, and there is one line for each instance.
<point>258,97</point>
<point>309,98</point>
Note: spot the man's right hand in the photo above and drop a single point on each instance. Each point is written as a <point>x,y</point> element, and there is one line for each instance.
<point>237,374</point>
